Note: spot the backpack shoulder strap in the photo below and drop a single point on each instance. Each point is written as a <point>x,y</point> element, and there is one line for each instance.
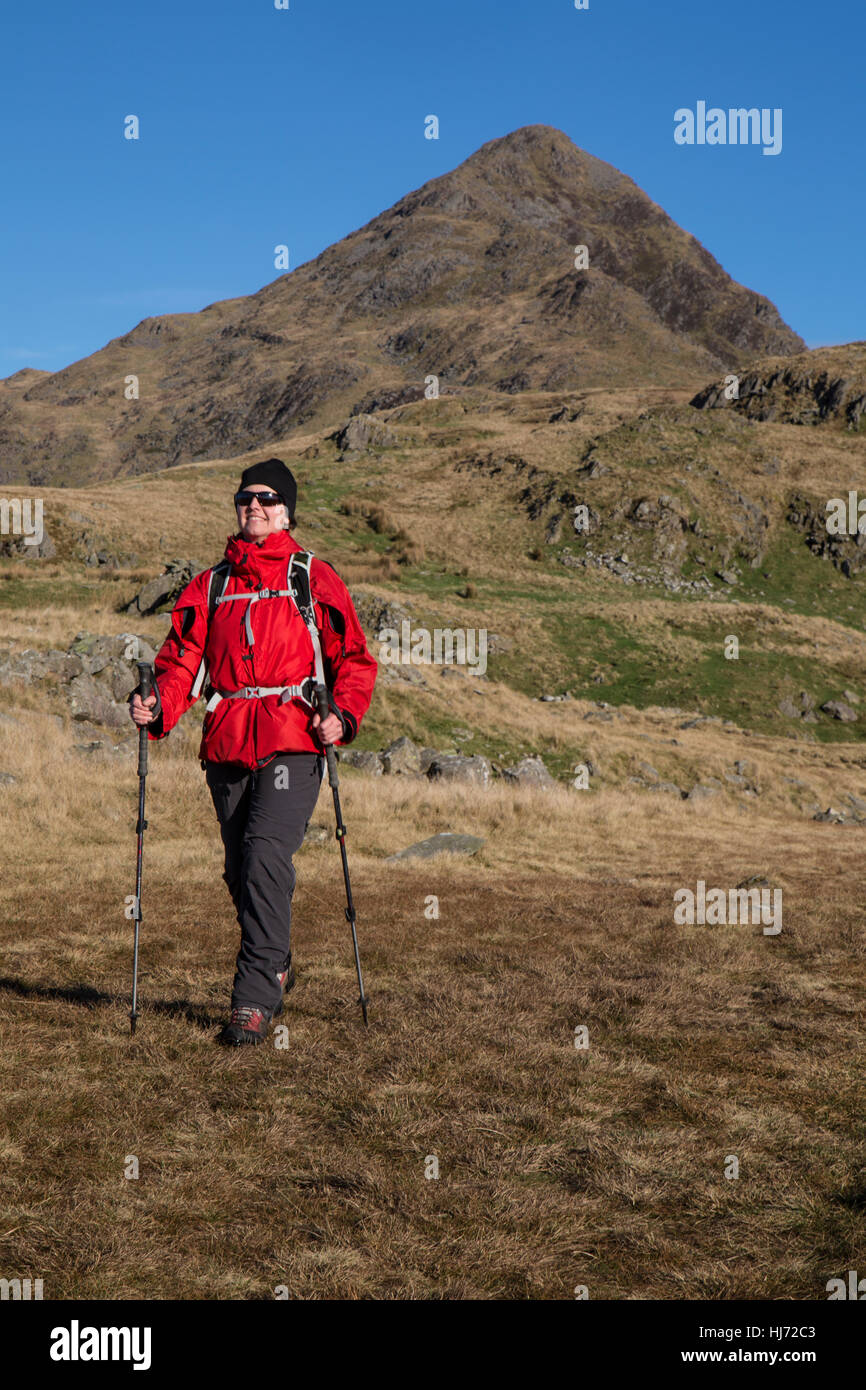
<point>217,583</point>
<point>216,586</point>
<point>298,579</point>
<point>301,594</point>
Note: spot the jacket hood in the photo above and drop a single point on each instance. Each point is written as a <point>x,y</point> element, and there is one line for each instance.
<point>260,565</point>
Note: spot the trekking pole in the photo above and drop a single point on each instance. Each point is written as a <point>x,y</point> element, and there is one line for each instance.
<point>324,711</point>
<point>145,688</point>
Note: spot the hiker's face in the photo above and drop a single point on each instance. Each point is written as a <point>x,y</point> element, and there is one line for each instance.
<point>255,521</point>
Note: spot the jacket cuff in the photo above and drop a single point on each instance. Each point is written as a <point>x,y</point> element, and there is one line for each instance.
<point>348,721</point>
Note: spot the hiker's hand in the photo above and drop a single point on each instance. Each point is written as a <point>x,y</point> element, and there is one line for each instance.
<point>331,730</point>
<point>141,711</point>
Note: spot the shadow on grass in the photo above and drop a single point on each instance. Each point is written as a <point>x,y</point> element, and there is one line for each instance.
<point>85,996</point>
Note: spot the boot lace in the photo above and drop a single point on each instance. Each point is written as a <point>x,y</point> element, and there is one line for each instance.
<point>248,1017</point>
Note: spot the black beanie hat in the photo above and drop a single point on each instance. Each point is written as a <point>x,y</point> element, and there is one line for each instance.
<point>274,474</point>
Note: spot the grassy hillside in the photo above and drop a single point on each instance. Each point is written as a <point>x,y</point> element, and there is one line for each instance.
<point>305,1165</point>
<point>467,520</point>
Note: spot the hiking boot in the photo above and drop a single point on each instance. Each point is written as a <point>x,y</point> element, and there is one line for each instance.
<point>248,1024</point>
<point>286,981</point>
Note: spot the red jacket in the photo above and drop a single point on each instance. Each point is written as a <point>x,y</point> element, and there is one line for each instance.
<point>250,731</point>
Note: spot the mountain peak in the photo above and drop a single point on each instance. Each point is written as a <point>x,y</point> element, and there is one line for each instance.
<point>474,278</point>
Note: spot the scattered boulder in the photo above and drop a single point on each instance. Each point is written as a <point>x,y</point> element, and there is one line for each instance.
<point>703,792</point>
<point>670,788</point>
<point>411,675</point>
<point>839,710</point>
<point>448,842</point>
<point>458,767</point>
<point>529,772</point>
<point>162,591</point>
<point>7,779</point>
<point>648,771</point>
<point>104,559</point>
<point>363,760</point>
<point>363,433</point>
<point>833,816</point>
<point>402,757</point>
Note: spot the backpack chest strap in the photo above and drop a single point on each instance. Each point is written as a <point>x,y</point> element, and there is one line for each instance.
<point>251,599</point>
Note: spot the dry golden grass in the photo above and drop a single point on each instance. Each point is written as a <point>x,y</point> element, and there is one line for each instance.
<point>305,1166</point>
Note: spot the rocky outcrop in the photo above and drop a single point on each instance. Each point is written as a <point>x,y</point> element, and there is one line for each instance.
<point>826,386</point>
<point>375,613</point>
<point>845,552</point>
<point>95,676</point>
<point>24,548</point>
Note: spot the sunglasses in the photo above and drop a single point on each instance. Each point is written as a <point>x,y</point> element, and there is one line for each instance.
<point>266,499</point>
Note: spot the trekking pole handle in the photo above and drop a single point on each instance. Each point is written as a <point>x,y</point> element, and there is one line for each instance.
<point>324,709</point>
<point>145,689</point>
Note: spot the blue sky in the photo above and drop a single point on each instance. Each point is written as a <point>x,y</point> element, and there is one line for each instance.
<point>262,126</point>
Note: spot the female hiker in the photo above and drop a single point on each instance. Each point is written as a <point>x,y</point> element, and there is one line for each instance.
<point>239,635</point>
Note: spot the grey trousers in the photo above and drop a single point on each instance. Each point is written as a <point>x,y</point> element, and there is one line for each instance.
<point>263,816</point>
